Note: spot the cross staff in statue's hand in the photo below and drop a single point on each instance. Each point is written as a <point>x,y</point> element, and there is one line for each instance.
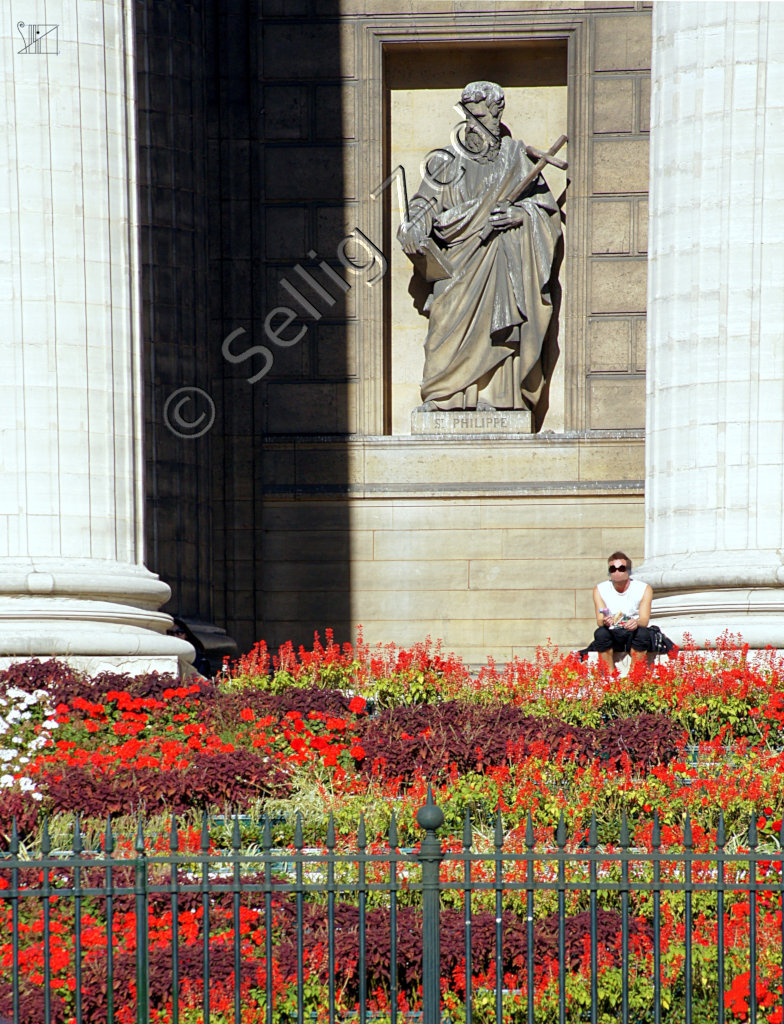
<point>507,215</point>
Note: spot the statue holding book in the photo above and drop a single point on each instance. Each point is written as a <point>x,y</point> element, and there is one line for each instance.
<point>483,227</point>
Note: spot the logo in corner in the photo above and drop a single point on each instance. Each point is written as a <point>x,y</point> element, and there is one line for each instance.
<point>38,38</point>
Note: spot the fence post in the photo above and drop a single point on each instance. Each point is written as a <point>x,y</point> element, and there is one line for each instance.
<point>142,952</point>
<point>14,851</point>
<point>431,818</point>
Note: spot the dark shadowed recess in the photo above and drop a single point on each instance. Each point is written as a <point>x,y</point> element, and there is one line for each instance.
<point>234,169</point>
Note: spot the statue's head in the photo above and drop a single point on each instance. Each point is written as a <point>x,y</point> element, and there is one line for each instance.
<point>492,94</point>
<point>485,101</point>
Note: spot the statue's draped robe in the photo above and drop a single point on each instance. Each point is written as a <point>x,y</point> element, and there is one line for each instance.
<point>488,321</point>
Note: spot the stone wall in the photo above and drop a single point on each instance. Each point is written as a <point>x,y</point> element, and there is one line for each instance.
<point>492,547</point>
<point>618,116</point>
<point>321,510</point>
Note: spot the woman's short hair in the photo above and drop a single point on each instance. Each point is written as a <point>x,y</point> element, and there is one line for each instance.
<point>620,554</point>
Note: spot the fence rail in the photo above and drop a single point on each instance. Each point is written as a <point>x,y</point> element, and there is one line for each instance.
<point>540,930</point>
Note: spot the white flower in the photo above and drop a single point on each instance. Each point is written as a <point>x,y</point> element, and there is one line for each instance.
<point>6,781</point>
<point>50,723</point>
<point>15,693</point>
<point>6,754</point>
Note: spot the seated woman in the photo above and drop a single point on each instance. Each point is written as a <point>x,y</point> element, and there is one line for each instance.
<point>623,610</point>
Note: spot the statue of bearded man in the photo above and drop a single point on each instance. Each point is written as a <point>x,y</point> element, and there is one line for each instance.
<point>489,318</point>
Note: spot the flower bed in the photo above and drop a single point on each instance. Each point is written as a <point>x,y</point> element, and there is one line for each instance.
<point>348,731</point>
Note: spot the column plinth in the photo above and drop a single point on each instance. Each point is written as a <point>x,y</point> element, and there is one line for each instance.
<point>96,615</point>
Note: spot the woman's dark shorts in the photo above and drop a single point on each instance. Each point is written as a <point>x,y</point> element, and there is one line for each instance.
<point>617,638</point>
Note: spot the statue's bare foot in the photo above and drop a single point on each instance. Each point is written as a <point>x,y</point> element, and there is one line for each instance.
<point>485,407</point>
<point>428,406</point>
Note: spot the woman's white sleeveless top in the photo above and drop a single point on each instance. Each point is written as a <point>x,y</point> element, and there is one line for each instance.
<point>628,602</point>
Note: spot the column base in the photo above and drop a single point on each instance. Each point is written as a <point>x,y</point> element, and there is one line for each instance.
<point>756,614</point>
<point>95,615</point>
<point>707,593</point>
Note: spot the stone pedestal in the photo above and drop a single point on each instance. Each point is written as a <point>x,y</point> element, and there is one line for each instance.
<point>714,535</point>
<point>72,580</point>
<point>471,421</point>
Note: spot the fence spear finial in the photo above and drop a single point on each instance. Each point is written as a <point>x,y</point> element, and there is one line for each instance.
<point>393,838</point>
<point>498,838</point>
<point>468,838</point>
<point>266,837</point>
<point>656,833</point>
<point>236,838</point>
<point>108,836</point>
<point>688,838</point>
<point>530,839</point>
<point>430,817</point>
<point>139,846</point>
<point>560,832</point>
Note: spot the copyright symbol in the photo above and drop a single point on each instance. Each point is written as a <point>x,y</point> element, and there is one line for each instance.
<point>180,417</point>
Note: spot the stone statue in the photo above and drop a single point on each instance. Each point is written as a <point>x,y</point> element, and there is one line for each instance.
<point>483,226</point>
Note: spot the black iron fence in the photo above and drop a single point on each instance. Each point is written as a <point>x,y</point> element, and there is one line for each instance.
<point>446,932</point>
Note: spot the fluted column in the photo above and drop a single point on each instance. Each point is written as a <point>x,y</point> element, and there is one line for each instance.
<point>714,530</point>
<point>72,578</point>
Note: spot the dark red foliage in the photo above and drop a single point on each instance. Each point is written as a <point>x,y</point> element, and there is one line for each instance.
<point>315,933</point>
<point>31,1006</point>
<point>409,940</point>
<point>227,706</point>
<point>608,927</point>
<point>126,790</point>
<point>64,684</point>
<point>650,738</point>
<point>150,685</point>
<point>16,804</point>
<point>38,675</point>
<point>426,739</point>
<point>211,780</point>
<point>190,962</point>
<point>237,777</point>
